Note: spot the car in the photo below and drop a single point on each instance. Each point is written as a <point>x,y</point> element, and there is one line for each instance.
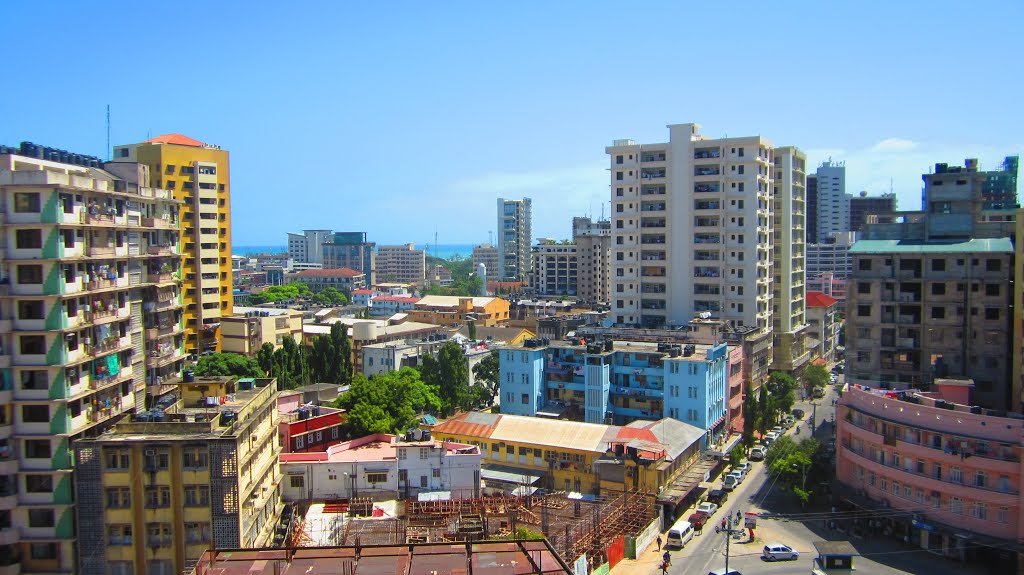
<point>730,482</point>
<point>776,551</point>
<point>745,467</point>
<point>757,454</point>
<point>771,436</point>
<point>718,497</point>
<point>818,393</point>
<point>739,473</point>
<point>788,421</point>
<point>778,429</point>
<point>697,520</point>
<point>798,413</point>
<point>707,508</point>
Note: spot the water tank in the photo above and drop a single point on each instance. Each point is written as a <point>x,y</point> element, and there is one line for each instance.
<point>481,272</point>
<point>365,331</point>
<point>227,418</point>
<point>188,376</point>
<point>426,435</point>
<point>316,410</point>
<point>409,435</point>
<point>303,413</point>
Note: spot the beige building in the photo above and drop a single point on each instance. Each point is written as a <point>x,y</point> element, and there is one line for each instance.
<point>515,236</point>
<point>488,255</point>
<point>83,248</point>
<point>156,492</point>
<point>594,253</point>
<point>402,263</point>
<point>555,268</point>
<point>789,322</point>
<point>249,328</point>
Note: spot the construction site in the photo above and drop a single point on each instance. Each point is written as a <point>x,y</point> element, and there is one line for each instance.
<point>574,525</point>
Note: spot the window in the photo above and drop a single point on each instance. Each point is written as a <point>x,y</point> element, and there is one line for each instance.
<point>299,443</point>
<point>424,453</point>
<point>197,532</point>
<point>863,288</point>
<point>30,274</point>
<point>38,449</point>
<point>297,481</point>
<point>1003,515</point>
<point>980,510</point>
<point>159,567</point>
<point>436,472</point>
<point>938,312</point>
<point>39,483</point>
<point>198,495</point>
<point>526,399</point>
<point>938,265</point>
<point>26,202</point>
<point>158,534</point>
<point>158,496</point>
<point>120,567</point>
<point>194,457</point>
<point>377,477</point>
<point>980,479</point>
<point>992,290</point>
<point>41,518</point>
<point>864,265</point>
<point>43,551</point>
<point>35,413</point>
<point>28,239</point>
<point>938,288</point>
<point>991,313</point>
<point>993,265</point>
<point>119,534</point>
<point>956,505</point>
<point>863,310</point>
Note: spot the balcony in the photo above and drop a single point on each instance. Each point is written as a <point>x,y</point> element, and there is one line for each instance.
<point>652,173</point>
<point>706,170</point>
<point>708,188</point>
<point>164,250</point>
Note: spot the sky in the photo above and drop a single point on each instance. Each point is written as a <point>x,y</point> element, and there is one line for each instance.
<point>408,119</point>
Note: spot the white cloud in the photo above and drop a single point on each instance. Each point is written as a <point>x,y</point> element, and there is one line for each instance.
<point>894,145</point>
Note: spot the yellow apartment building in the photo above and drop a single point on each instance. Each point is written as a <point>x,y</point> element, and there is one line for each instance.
<point>154,493</point>
<point>249,328</point>
<point>199,175</point>
<point>448,310</point>
<point>521,454</point>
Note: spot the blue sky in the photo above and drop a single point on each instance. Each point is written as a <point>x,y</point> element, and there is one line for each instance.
<point>406,119</point>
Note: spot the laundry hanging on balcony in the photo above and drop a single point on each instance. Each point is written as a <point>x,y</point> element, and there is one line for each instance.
<point>113,366</point>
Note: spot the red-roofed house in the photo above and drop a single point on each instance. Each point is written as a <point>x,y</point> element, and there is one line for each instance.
<point>307,428</point>
<point>823,334</point>
<point>343,279</point>
<point>389,305</point>
<point>362,297</point>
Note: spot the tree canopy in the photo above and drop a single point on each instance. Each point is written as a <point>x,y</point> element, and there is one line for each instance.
<point>331,356</point>
<point>387,403</point>
<point>329,296</point>
<point>449,377</point>
<point>487,373</point>
<point>228,364</point>
<point>797,466</point>
<point>293,290</point>
<point>815,376</point>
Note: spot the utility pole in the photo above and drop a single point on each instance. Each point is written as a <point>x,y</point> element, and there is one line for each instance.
<point>729,532</point>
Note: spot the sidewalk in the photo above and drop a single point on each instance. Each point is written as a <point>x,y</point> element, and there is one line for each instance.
<point>646,563</point>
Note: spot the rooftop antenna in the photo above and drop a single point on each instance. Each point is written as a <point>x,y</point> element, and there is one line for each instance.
<point>490,237</point>
<point>108,132</point>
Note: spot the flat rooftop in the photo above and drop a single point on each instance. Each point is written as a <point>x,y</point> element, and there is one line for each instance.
<point>991,245</point>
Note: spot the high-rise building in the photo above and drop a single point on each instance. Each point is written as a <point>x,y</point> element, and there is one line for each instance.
<point>863,205</point>
<point>833,203</point>
<point>594,252</point>
<point>812,208</point>
<point>716,197</point>
<point>402,263</point>
<point>199,175</point>
<point>156,492</point>
<point>90,285</point>
<point>351,250</point>
<point>307,247</point>
<point>789,321</point>
<point>515,236</point>
<point>555,267</point>
<point>487,255</point>
<point>833,256</point>
<point>930,297</point>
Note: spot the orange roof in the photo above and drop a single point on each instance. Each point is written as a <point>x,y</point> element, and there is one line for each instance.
<point>819,299</point>
<point>176,139</point>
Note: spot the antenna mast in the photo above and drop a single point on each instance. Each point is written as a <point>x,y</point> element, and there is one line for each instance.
<point>108,132</point>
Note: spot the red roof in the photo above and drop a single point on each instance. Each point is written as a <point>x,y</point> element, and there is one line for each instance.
<point>332,273</point>
<point>361,291</point>
<point>176,139</point>
<point>818,299</point>
<point>396,298</point>
<point>459,426</point>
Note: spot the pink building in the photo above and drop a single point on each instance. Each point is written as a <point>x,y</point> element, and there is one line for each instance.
<point>953,470</point>
<point>828,284</point>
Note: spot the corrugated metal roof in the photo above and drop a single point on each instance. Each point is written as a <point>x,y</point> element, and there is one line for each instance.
<point>675,435</point>
<point>472,424</point>
<point>990,245</point>
<point>552,433</point>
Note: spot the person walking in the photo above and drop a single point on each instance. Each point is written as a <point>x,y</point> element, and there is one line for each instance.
<point>658,540</point>
<point>667,557</point>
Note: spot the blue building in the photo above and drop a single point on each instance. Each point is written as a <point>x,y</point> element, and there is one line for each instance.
<point>617,383</point>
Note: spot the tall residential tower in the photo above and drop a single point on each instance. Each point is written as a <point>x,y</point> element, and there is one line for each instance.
<point>833,207</point>
<point>515,235</point>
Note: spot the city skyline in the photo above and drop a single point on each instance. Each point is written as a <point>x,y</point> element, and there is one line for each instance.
<point>430,114</point>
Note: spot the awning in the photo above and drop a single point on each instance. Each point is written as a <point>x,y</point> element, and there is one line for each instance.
<point>505,474</point>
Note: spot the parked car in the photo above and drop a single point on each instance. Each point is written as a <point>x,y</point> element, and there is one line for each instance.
<point>776,551</point>
<point>778,429</point>
<point>697,520</point>
<point>788,421</point>
<point>818,392</point>
<point>707,508</point>
<point>739,473</point>
<point>798,413</point>
<point>745,467</point>
<point>718,497</point>
<point>730,482</point>
<point>771,436</point>
<point>757,454</point>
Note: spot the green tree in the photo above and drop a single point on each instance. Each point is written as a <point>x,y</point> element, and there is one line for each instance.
<point>815,376</point>
<point>782,395</point>
<point>749,419</point>
<point>331,356</point>
<point>329,296</point>
<point>291,364</point>
<point>449,376</point>
<point>291,291</point>
<point>487,373</point>
<point>471,326</point>
<point>265,358</point>
<point>763,412</point>
<point>736,455</point>
<point>793,465</point>
<point>386,403</point>
<point>228,364</point>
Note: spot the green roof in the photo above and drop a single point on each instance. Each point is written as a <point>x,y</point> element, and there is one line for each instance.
<point>991,245</point>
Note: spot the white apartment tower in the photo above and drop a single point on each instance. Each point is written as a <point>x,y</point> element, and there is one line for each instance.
<point>833,209</point>
<point>307,247</point>
<point>692,230</point>
<point>514,238</point>
<point>789,292</point>
<point>594,248</point>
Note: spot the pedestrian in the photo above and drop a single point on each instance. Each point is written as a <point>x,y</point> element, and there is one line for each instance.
<point>664,568</point>
<point>723,524</point>
<point>667,557</point>
<point>659,542</point>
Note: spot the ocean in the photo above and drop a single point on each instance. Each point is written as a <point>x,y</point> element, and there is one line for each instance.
<point>443,251</point>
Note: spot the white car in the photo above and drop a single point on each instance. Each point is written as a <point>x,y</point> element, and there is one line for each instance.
<point>778,429</point>
<point>757,453</point>
<point>745,467</point>
<point>707,509</point>
<point>776,551</point>
<point>730,482</point>
<point>771,436</point>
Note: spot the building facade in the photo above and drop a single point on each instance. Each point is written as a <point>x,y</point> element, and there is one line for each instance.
<point>833,256</point>
<point>342,279</point>
<point>789,321</point>
<point>303,428</point>
<point>488,255</point>
<point>944,476</point>
<point>812,209</point>
<point>351,250</point>
<point>199,175</point>
<point>515,236</point>
<point>833,206</point>
<point>863,205</point>
<point>249,328</point>
<point>617,383</point>
<point>594,254</point>
<point>828,284</point>
<point>402,263</point>
<point>157,491</point>
<point>84,249</point>
<point>823,325</point>
<point>448,310</point>
<point>555,268</point>
<point>307,247</point>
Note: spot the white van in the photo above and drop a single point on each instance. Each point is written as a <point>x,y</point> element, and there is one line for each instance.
<point>680,534</point>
